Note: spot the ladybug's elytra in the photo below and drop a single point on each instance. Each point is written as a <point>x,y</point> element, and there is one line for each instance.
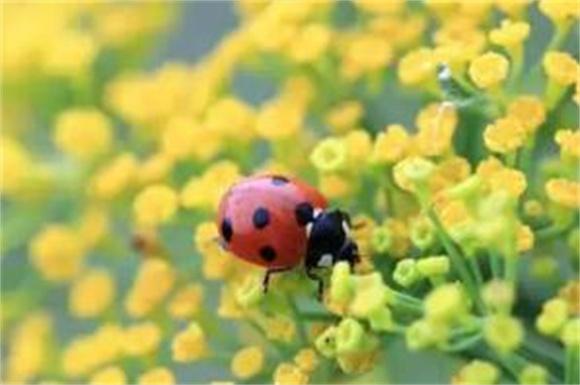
<point>279,223</point>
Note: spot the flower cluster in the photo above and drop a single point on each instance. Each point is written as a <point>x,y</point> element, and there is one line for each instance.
<point>447,129</point>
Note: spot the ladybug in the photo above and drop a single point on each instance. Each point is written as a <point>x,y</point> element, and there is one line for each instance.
<point>280,223</point>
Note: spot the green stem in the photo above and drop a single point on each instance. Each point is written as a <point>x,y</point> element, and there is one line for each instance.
<point>495,265</point>
<point>465,343</point>
<point>572,367</point>
<point>474,267</point>
<point>299,320</point>
<point>458,262</point>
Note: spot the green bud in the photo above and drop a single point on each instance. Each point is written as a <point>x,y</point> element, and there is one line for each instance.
<point>533,375</point>
<point>406,273</point>
<point>326,342</point>
<point>423,234</point>
<point>570,335</point>
<point>445,303</point>
<point>350,336</point>
<point>503,333</point>
<point>250,293</point>
<point>417,170</point>
<point>499,295</point>
<point>435,266</point>
<point>496,205</point>
<point>371,294</point>
<point>478,372</point>
<point>381,320</point>
<point>329,155</point>
<point>554,315</point>
<point>424,333</point>
<point>341,283</point>
<point>381,239</point>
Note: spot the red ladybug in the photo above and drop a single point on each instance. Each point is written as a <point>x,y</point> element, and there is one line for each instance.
<point>279,223</point>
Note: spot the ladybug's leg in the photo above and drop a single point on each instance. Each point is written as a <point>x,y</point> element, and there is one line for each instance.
<point>349,253</point>
<point>315,277</point>
<point>269,272</point>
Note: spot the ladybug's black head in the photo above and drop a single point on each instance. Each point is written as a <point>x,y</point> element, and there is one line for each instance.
<point>329,239</point>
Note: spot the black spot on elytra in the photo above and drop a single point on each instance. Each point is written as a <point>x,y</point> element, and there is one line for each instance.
<point>278,180</point>
<point>268,254</point>
<point>227,229</point>
<point>304,213</point>
<point>261,218</point>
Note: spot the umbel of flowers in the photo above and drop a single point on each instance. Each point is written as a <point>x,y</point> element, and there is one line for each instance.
<point>466,210</point>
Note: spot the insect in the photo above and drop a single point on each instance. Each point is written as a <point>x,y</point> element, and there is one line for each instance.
<point>281,223</point>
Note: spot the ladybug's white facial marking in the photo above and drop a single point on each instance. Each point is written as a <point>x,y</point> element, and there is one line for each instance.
<point>325,260</point>
<point>308,229</point>
<point>317,212</point>
<point>346,228</point>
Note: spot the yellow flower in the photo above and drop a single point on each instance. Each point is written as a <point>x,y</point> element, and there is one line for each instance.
<point>344,116</point>
<point>72,54</point>
<point>15,165</point>
<point>247,362</point>
<point>279,119</point>
<point>57,253</point>
<point>145,297</point>
<point>569,142</point>
<point>190,344</point>
<point>232,118</point>
<point>329,155</point>
<point>510,34</point>
<point>206,191</point>
<point>529,110</point>
<point>525,238</point>
<point>28,349</point>
<point>390,145</point>
<point>514,8</point>
<point>289,374</point>
<point>186,302</point>
<point>307,360</point>
<point>94,226</point>
<point>155,205</point>
<point>476,372</point>
<point>141,339</point>
<point>110,375</point>
<point>83,133</point>
<point>92,294</point>
<point>178,139</point>
<point>561,67</point>
<point>359,145</point>
<point>488,70</point>
<point>533,374</point>
<point>334,186</point>
<point>155,168</point>
<point>85,353</point>
<point>505,135</point>
<point>114,177</point>
<point>157,375</point>
<point>436,125</point>
<point>560,10</point>
<point>564,192</point>
<point>498,177</point>
<point>279,328</point>
<point>364,53</point>
<point>309,44</point>
<point>417,67</point>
